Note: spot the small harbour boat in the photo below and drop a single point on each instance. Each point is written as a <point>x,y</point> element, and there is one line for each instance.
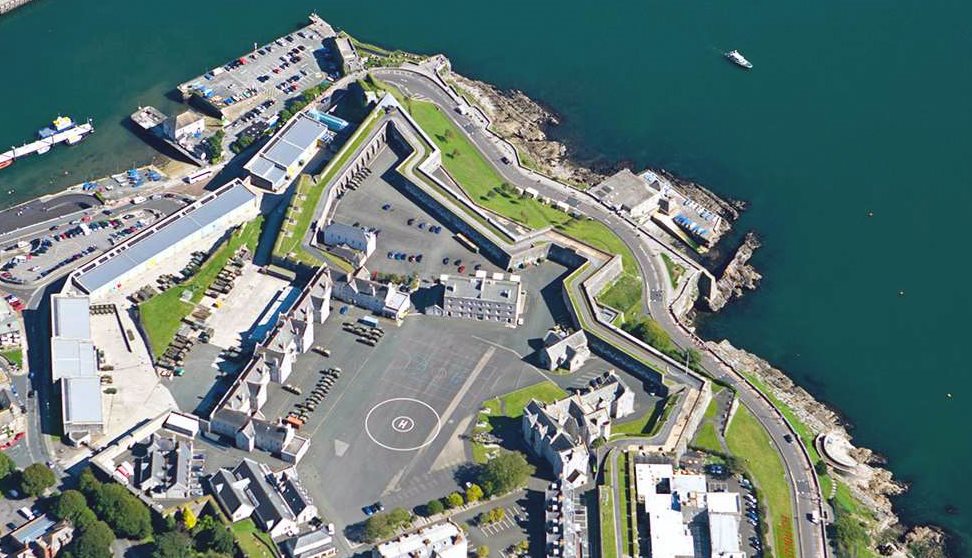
<point>738,59</point>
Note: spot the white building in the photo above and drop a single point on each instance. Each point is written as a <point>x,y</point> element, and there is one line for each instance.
<point>74,367</point>
<point>184,125</point>
<point>382,299</point>
<point>561,432</point>
<point>484,298</point>
<point>205,220</point>
<point>356,238</point>
<point>626,192</point>
<point>443,540</point>
<point>679,506</point>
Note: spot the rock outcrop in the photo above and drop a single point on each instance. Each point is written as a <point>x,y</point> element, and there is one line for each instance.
<point>523,121</point>
<point>738,276</point>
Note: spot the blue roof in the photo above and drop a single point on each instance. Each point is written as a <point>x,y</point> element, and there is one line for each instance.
<point>32,530</point>
<point>144,247</point>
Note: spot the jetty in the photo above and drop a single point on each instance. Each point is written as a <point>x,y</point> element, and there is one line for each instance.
<point>9,5</point>
<point>71,135</point>
<point>152,121</point>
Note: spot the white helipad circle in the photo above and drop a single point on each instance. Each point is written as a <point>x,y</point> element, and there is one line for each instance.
<point>402,424</point>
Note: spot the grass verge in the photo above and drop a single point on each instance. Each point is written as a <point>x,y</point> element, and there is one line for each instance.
<point>14,356</point>
<point>161,315</point>
<point>675,270</point>
<point>303,203</point>
<point>749,442</point>
<point>606,509</point>
<point>649,423</point>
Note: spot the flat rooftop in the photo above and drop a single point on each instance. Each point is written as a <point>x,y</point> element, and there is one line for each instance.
<point>82,400</point>
<point>70,316</point>
<point>483,287</point>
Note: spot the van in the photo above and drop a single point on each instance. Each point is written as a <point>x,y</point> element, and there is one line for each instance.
<point>26,512</point>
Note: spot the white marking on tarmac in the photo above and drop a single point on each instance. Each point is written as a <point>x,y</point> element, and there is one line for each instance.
<point>340,448</point>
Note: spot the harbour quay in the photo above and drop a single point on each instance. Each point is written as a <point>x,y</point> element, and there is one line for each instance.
<point>10,5</point>
<point>280,69</point>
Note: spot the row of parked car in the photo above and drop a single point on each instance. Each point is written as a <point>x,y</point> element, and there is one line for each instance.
<point>299,415</point>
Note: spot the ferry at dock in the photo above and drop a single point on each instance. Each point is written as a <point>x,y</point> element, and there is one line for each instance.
<point>63,129</point>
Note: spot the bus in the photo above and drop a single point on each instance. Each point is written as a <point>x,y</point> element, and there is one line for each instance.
<point>468,244</point>
<point>199,175</point>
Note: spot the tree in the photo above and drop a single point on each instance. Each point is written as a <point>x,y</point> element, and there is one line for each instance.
<point>213,535</point>
<point>123,511</point>
<point>88,484</point>
<point>7,466</point>
<point>504,473</point>
<point>93,542</point>
<point>72,506</point>
<point>482,551</point>
<point>454,500</point>
<point>35,479</point>
<point>474,493</point>
<point>434,507</point>
<point>384,525</point>
<point>188,518</point>
<point>174,544</point>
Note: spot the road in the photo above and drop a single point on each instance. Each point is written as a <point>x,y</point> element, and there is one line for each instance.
<point>811,538</point>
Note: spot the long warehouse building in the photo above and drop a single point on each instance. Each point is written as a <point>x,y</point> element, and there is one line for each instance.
<point>74,368</point>
<point>208,218</point>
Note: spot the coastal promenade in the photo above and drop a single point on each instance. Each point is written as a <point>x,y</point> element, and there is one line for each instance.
<point>811,538</point>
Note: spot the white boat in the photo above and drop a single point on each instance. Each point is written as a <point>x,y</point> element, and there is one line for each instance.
<point>738,59</point>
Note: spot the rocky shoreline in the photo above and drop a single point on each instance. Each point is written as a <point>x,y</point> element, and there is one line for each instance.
<point>523,122</point>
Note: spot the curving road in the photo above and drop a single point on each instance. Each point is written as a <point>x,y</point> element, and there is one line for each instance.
<point>811,538</point>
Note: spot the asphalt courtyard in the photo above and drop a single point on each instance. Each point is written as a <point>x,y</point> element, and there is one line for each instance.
<point>405,227</point>
<point>392,427</point>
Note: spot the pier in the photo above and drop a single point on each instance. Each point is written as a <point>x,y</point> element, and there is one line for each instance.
<point>9,5</point>
<point>71,136</point>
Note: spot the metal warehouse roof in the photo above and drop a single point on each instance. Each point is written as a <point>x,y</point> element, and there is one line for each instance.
<point>82,400</point>
<point>288,146</point>
<point>169,232</point>
<point>72,358</point>
<point>71,317</point>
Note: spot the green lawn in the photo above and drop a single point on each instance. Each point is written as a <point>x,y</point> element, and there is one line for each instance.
<point>675,270</point>
<point>648,423</point>
<point>481,182</point>
<point>707,438</point>
<point>14,356</point>
<point>749,442</point>
<point>161,315</point>
<point>511,405</point>
<point>504,412</point>
<point>624,295</point>
<point>253,542</point>
<point>606,507</point>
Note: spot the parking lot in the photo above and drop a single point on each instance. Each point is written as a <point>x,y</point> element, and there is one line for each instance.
<point>280,69</point>
<point>404,227</point>
<point>47,254</point>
